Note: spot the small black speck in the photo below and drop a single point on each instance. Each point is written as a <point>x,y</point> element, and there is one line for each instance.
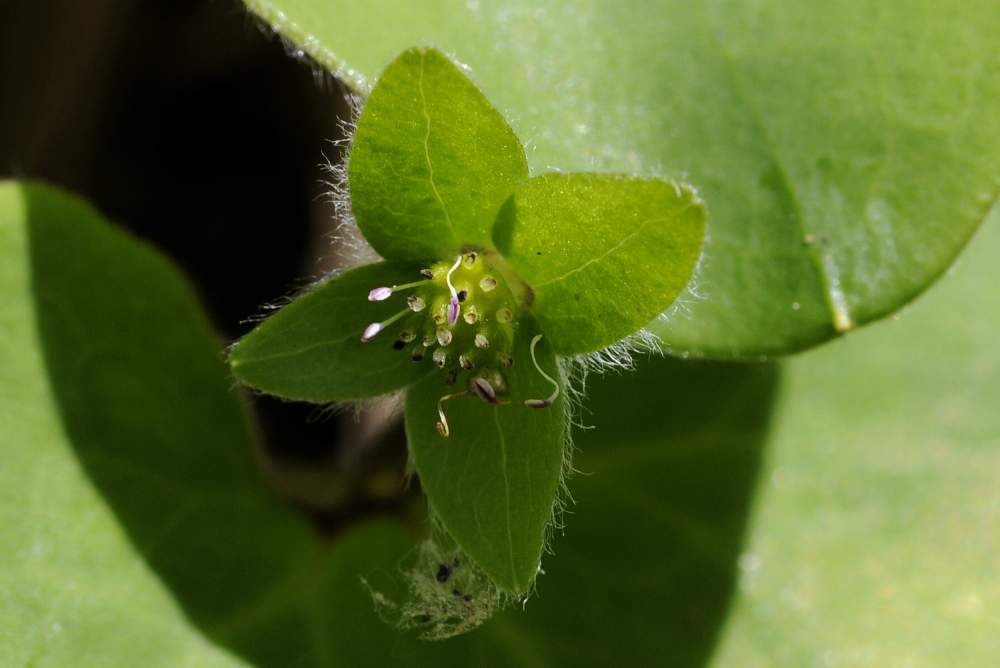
<point>462,294</point>
<point>538,252</point>
<point>456,593</point>
<point>576,297</point>
<point>398,344</point>
<point>417,357</point>
<point>467,598</point>
<point>443,573</point>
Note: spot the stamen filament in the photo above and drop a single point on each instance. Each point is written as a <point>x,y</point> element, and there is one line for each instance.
<point>442,423</point>
<point>541,403</point>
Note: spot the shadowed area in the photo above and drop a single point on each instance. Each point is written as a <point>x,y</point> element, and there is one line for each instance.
<point>146,404</point>
<point>644,571</point>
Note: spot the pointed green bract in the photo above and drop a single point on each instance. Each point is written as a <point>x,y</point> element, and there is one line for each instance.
<point>311,350</point>
<point>603,255</point>
<point>431,160</point>
<point>493,481</point>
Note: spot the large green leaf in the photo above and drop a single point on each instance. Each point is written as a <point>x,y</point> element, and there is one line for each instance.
<point>874,542</point>
<point>603,254</point>
<point>311,350</point>
<point>431,160</point>
<point>134,529</point>
<point>846,150</point>
<point>493,481</point>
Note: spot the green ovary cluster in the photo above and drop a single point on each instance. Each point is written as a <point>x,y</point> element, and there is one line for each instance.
<point>460,317</point>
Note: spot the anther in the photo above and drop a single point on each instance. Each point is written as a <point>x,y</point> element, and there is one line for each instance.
<point>483,389</point>
<point>443,336</point>
<point>382,293</point>
<point>440,357</point>
<point>406,336</point>
<point>379,294</point>
<point>466,362</point>
<point>504,315</point>
<point>506,361</point>
<point>541,403</point>
<point>372,330</point>
<point>471,315</point>
<point>470,259</point>
<point>498,381</point>
<point>453,305</point>
<point>442,423</point>
<point>487,283</point>
<point>482,342</point>
<point>428,341</point>
<point>416,303</point>
<point>417,354</point>
<point>427,273</point>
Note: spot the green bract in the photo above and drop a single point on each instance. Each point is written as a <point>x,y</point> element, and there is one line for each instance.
<point>489,276</point>
<point>452,157</point>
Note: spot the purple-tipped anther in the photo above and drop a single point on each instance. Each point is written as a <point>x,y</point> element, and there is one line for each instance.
<point>379,294</point>
<point>453,303</point>
<point>371,331</point>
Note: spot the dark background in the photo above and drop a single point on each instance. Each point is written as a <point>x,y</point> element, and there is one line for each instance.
<point>187,122</point>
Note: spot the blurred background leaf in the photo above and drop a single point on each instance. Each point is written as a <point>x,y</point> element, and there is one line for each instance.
<point>874,536</point>
<point>136,527</point>
<point>846,151</point>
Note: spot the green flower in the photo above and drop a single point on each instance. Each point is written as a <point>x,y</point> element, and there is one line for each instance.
<point>490,278</point>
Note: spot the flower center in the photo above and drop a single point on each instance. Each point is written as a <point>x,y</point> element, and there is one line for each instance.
<point>460,316</point>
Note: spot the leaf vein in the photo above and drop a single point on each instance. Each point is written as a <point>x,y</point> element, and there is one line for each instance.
<point>506,490</point>
<point>427,150</point>
<point>624,240</point>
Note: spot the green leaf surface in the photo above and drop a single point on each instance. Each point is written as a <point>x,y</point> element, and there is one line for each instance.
<point>874,540</point>
<point>134,527</point>
<point>311,350</point>
<point>604,255</point>
<point>431,160</point>
<point>493,482</point>
<point>846,151</point>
